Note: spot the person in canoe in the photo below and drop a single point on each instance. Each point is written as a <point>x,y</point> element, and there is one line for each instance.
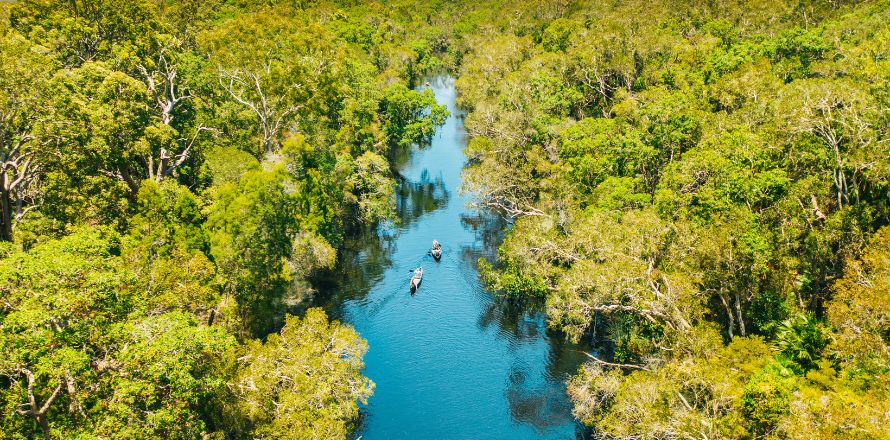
<point>436,251</point>
<point>415,280</point>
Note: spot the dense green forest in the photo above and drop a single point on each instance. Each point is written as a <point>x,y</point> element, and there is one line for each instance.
<point>172,174</point>
<point>700,191</point>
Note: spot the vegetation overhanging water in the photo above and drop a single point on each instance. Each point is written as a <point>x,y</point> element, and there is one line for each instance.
<point>451,361</point>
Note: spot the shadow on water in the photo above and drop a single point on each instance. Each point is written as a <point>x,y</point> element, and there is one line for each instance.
<point>366,255</point>
<point>540,405</point>
<point>415,199</point>
<point>361,264</point>
<point>488,229</point>
<point>454,361</point>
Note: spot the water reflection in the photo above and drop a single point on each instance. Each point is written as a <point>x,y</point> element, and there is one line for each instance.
<point>518,319</point>
<point>540,406</point>
<point>367,255</point>
<point>414,199</point>
<point>453,361</point>
<point>489,231</point>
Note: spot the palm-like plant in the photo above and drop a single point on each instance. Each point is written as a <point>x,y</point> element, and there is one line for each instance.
<point>801,339</point>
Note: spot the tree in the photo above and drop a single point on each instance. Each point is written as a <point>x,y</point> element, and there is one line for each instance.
<point>81,31</point>
<point>58,299</point>
<point>165,378</point>
<point>251,227</point>
<point>860,311</point>
<point>597,148</point>
<point>693,397</point>
<point>171,93</point>
<point>841,116</point>
<point>372,188</point>
<point>303,382</point>
<point>411,117</point>
<point>630,266</point>
<point>167,250</point>
<point>101,117</point>
<point>81,358</point>
<point>23,96</point>
<point>272,70</point>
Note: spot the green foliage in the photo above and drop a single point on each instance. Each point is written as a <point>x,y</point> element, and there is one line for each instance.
<point>556,36</point>
<point>228,164</point>
<point>859,313</point>
<point>765,399</point>
<point>171,371</point>
<point>597,148</point>
<point>82,31</point>
<point>767,310</point>
<point>75,340</point>
<point>372,187</point>
<point>619,193</point>
<point>681,398</point>
<point>250,226</point>
<point>303,382</point>
<point>801,340</point>
<point>167,249</point>
<point>512,283</point>
<point>23,94</point>
<point>173,175</point>
<point>411,116</point>
<point>684,179</point>
<point>673,169</point>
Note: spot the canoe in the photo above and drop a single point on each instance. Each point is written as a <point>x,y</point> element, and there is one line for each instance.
<point>416,279</point>
<point>436,251</point>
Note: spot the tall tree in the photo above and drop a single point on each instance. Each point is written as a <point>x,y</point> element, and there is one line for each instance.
<point>304,382</point>
<point>23,100</point>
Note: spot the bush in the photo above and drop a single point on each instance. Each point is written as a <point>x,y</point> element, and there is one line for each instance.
<point>766,399</point>
<point>801,341</point>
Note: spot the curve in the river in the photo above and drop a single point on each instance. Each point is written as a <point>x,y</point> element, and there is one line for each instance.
<point>452,361</point>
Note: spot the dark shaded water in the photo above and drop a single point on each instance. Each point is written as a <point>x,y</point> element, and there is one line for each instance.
<point>451,361</point>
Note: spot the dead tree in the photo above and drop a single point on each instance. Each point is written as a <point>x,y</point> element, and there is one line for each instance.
<point>272,112</point>
<point>165,86</point>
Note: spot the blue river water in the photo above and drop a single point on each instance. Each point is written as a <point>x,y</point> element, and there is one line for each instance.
<point>452,361</point>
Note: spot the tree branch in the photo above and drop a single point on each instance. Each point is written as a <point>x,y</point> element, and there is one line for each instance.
<point>613,365</point>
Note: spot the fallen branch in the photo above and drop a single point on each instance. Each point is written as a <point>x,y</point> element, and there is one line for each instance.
<point>613,365</point>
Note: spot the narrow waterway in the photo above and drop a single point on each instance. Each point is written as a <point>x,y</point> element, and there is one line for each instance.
<point>451,361</point>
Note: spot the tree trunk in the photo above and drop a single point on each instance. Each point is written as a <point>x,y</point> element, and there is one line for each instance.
<point>5,211</point>
<point>741,318</point>
<point>731,320</point>
<point>44,424</point>
<point>36,410</point>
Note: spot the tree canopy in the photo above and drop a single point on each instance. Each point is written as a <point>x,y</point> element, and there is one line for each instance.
<point>698,191</point>
<point>172,177</point>
<point>695,189</point>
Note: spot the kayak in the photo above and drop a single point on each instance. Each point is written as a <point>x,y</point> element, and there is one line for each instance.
<point>416,279</point>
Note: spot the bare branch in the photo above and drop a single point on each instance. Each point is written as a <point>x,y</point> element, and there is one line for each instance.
<point>614,365</point>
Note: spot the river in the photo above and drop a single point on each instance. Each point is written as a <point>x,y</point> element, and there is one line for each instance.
<point>451,361</point>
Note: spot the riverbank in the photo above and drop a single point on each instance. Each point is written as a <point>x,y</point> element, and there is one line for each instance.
<point>451,361</point>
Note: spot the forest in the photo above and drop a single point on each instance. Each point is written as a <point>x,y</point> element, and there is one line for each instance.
<point>698,192</point>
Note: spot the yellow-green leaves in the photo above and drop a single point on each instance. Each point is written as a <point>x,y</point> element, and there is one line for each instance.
<point>304,382</point>
<point>860,311</point>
